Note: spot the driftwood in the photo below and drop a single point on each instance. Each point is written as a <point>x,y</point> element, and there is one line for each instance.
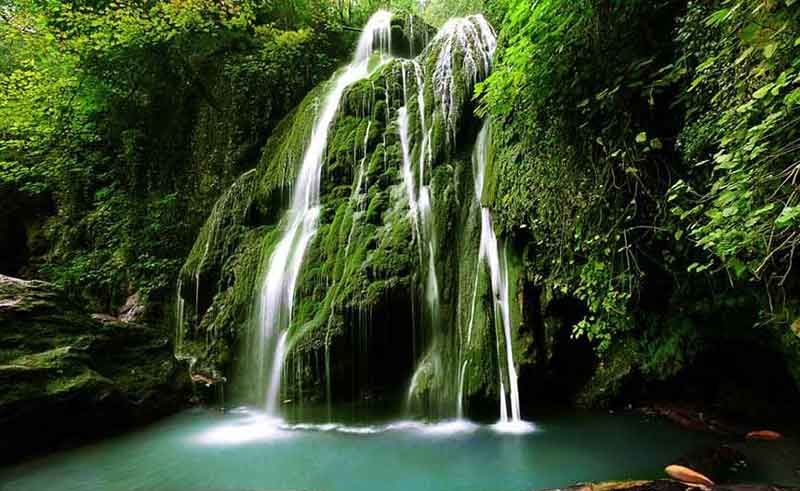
<point>764,435</point>
<point>667,485</point>
<point>688,475</point>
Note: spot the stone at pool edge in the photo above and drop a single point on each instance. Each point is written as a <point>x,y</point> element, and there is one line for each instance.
<point>66,377</point>
<point>665,485</point>
<point>717,463</point>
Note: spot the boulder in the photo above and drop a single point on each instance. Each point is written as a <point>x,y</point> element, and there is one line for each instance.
<point>66,377</point>
<point>133,310</point>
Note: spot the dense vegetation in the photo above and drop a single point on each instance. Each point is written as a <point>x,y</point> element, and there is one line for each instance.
<point>124,123</point>
<point>649,162</point>
<point>645,154</point>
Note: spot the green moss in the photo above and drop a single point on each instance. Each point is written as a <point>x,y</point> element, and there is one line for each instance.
<point>86,381</point>
<point>610,376</point>
<point>219,234</point>
<point>229,317</point>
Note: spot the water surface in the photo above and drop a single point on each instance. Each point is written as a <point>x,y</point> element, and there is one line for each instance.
<point>203,449</point>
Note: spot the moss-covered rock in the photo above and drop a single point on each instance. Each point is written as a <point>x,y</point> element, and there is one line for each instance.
<point>363,293</point>
<point>66,376</point>
<point>606,384</point>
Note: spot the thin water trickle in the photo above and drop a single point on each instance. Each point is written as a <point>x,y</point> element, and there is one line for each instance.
<point>180,308</point>
<point>408,175</point>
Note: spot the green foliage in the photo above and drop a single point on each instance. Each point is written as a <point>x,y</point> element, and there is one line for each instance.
<point>134,117</point>
<point>647,155</point>
<point>576,87</point>
<point>739,201</point>
<point>437,12</point>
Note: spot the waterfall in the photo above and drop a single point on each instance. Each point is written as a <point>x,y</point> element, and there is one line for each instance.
<point>359,231</point>
<point>419,201</point>
<point>470,40</point>
<point>276,298</point>
<point>459,57</point>
<point>498,273</point>
<point>377,35</point>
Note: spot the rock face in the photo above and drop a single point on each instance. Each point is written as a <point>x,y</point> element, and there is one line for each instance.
<point>65,376</point>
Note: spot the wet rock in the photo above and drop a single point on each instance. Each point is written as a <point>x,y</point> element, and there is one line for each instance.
<point>65,376</point>
<point>210,387</point>
<point>133,309</point>
<point>410,34</point>
<point>692,419</point>
<point>660,485</point>
<point>715,464</point>
<point>617,370</point>
<point>104,318</point>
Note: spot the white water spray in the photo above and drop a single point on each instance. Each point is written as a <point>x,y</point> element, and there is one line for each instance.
<point>470,40</point>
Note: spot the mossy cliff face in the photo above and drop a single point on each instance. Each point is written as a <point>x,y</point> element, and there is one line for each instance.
<point>363,319</point>
<point>244,96</point>
<point>67,376</point>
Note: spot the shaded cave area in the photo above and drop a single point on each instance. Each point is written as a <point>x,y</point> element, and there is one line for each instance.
<point>14,251</point>
<point>725,365</point>
<point>370,361</point>
<point>374,357</point>
<point>22,242</point>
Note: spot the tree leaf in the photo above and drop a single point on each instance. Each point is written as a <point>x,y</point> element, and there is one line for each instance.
<point>760,93</point>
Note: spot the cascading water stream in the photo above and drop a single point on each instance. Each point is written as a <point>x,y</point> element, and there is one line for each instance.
<point>419,196</point>
<point>180,309</point>
<point>462,54</point>
<point>276,299</point>
<point>471,41</point>
<point>498,272</point>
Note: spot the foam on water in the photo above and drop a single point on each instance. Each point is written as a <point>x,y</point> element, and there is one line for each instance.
<point>257,426</point>
<point>515,427</point>
<point>254,427</point>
